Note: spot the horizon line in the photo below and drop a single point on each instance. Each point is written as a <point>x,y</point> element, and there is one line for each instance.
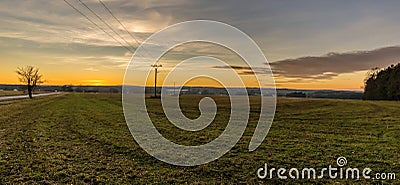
<point>158,86</point>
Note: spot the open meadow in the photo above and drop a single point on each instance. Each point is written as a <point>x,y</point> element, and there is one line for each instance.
<point>4,93</point>
<point>83,138</point>
<point>10,93</point>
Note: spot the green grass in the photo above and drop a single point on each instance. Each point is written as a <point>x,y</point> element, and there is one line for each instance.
<point>11,93</point>
<point>16,93</point>
<point>83,138</point>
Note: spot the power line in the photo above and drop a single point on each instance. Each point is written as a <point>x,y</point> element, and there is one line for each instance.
<point>72,6</point>
<point>132,35</point>
<point>109,11</point>
<point>102,20</point>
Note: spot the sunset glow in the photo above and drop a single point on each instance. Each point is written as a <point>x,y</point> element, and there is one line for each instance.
<point>322,49</point>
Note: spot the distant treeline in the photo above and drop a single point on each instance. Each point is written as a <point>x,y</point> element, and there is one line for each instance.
<point>383,84</point>
<point>64,88</point>
<point>187,90</point>
<point>325,94</point>
<point>296,95</point>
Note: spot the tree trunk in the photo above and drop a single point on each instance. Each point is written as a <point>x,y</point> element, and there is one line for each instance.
<point>30,91</point>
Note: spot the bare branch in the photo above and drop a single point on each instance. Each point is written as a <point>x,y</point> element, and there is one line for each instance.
<point>30,76</point>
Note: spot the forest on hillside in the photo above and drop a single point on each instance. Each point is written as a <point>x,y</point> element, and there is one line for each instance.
<point>383,84</point>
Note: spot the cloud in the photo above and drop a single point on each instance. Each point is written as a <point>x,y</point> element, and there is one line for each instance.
<point>55,22</point>
<point>333,64</point>
<point>91,69</point>
<point>52,30</point>
<point>243,70</point>
<point>233,67</point>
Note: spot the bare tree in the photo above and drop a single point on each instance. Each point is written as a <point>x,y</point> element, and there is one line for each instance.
<point>29,75</point>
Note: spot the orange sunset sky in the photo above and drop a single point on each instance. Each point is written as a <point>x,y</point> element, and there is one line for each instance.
<point>309,44</point>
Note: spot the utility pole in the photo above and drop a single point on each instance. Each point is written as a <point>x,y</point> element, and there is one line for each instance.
<point>174,89</point>
<point>155,78</point>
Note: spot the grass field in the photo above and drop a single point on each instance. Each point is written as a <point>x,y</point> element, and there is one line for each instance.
<point>11,93</point>
<point>83,138</point>
<point>16,93</point>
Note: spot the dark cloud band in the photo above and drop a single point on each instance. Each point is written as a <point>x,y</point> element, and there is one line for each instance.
<point>332,64</point>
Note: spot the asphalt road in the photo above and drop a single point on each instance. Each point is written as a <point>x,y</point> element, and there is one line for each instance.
<point>3,98</point>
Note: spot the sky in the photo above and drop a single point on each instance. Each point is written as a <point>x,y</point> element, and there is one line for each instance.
<point>309,44</point>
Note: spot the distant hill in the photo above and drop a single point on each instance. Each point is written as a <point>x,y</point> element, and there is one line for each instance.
<point>65,88</point>
<point>334,94</point>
